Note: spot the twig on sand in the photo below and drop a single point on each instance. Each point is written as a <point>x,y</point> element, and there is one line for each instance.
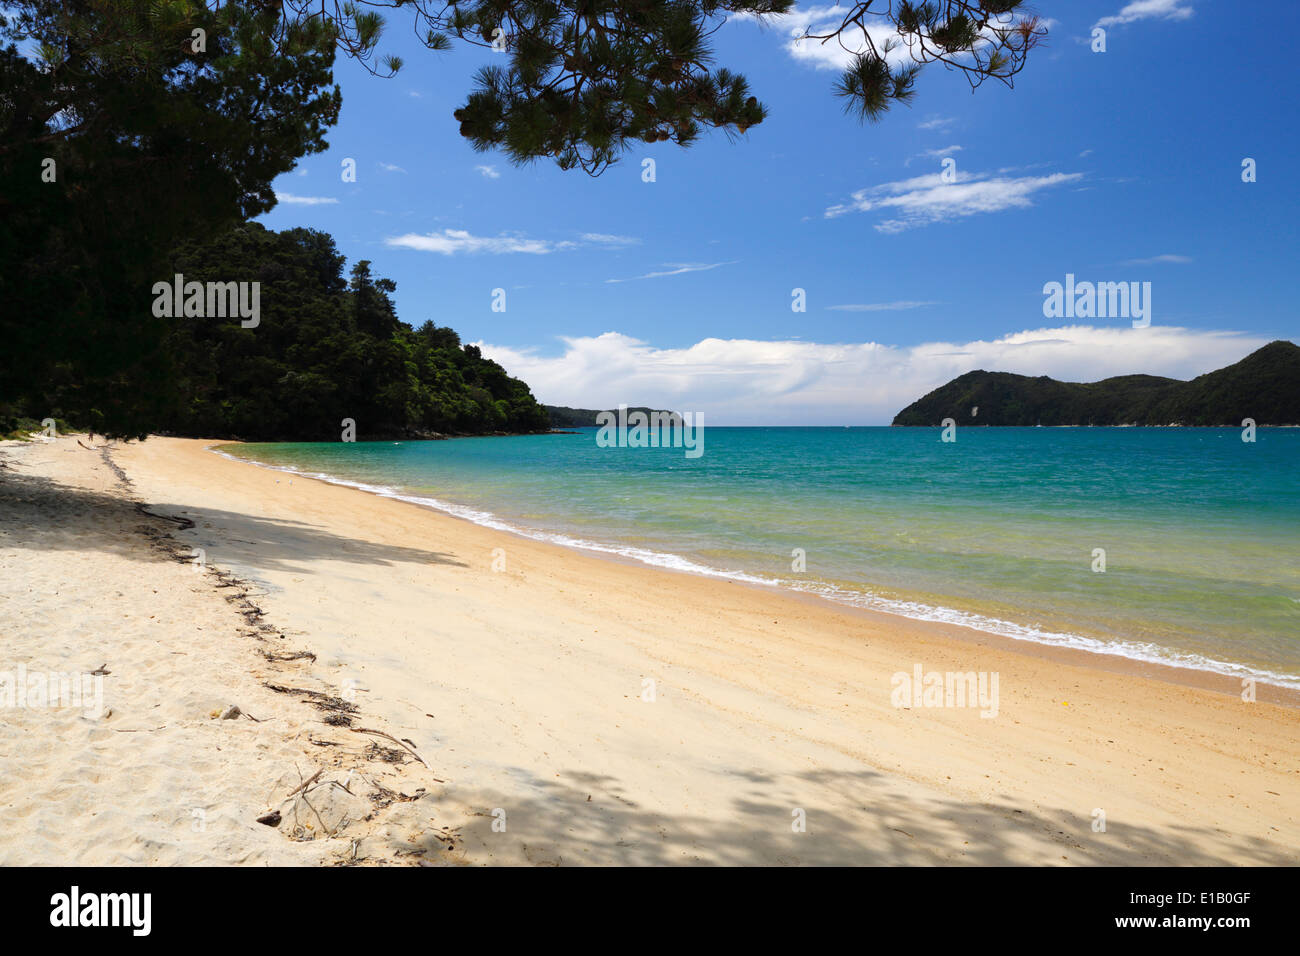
<point>393,795</point>
<point>336,708</point>
<point>319,819</point>
<point>401,743</point>
<point>301,791</point>
<point>292,656</point>
<point>306,783</point>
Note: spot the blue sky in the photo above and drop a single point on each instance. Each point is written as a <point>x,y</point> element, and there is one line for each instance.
<point>1115,166</point>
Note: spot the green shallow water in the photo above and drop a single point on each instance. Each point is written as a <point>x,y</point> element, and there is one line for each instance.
<point>997,529</point>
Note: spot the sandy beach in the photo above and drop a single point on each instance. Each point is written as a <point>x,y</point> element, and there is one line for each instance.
<point>570,709</point>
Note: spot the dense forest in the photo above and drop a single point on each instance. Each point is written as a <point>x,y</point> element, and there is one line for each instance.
<point>1264,386</point>
<point>326,348</point>
<point>120,140</point>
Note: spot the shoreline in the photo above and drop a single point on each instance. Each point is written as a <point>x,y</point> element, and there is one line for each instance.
<point>605,714</point>
<point>1269,686</point>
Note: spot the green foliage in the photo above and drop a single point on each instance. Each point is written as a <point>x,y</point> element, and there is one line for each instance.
<point>21,428</point>
<point>1264,386</point>
<point>583,81</point>
<point>152,140</point>
<point>327,349</point>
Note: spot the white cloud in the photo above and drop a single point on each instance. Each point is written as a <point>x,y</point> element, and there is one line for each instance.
<point>1157,260</point>
<point>676,269</point>
<point>937,123</point>
<point>933,154</point>
<point>605,239</point>
<point>832,54</point>
<point>927,199</point>
<point>838,52</point>
<point>748,382</point>
<point>304,200</point>
<point>1148,10</point>
<point>452,241</point>
<point>489,171</point>
<point>881,306</point>
<point>390,168</point>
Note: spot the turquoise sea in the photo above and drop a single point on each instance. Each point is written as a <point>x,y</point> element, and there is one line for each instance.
<point>1201,531</point>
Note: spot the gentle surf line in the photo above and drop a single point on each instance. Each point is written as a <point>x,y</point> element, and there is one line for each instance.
<point>1142,652</point>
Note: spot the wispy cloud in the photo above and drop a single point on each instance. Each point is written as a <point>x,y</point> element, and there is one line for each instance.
<point>1148,10</point>
<point>304,200</point>
<point>940,153</point>
<point>390,168</point>
<point>751,382</point>
<point>676,269</point>
<point>937,123</point>
<point>933,154</point>
<point>928,199</point>
<point>605,239</point>
<point>1157,260</point>
<point>881,306</point>
<point>489,172</point>
<point>450,242</point>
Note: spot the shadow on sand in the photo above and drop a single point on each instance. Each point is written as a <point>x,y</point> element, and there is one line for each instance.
<point>51,515</point>
<point>550,822</point>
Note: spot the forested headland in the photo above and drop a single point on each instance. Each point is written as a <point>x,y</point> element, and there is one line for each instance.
<point>1264,387</point>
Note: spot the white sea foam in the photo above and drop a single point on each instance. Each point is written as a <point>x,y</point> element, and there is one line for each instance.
<point>1143,651</point>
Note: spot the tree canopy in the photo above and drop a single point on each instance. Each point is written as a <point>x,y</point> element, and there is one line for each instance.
<point>585,80</point>
<point>122,133</point>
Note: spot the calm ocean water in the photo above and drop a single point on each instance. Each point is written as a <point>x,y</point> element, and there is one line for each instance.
<point>1201,531</point>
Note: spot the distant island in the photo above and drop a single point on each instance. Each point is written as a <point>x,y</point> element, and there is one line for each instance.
<point>565,417</point>
<point>1264,386</point>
